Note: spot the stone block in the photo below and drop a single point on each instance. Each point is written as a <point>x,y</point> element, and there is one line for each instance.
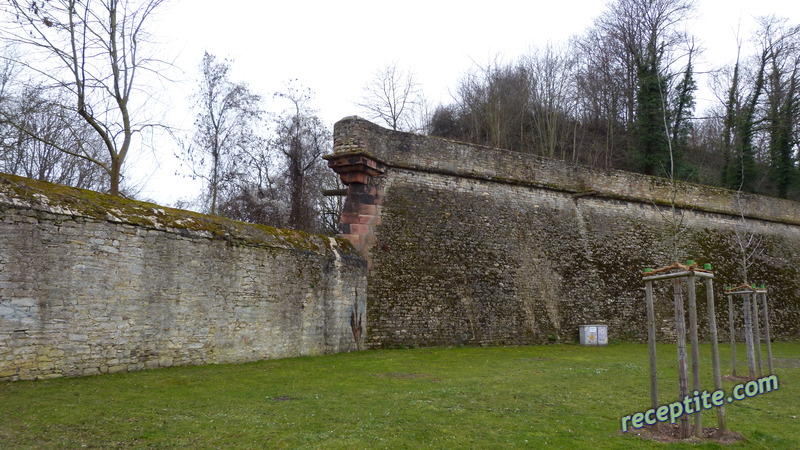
<point>21,302</point>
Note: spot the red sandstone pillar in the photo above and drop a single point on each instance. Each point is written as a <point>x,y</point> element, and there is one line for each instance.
<point>361,212</point>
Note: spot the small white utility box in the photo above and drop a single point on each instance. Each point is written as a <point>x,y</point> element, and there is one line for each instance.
<point>593,334</point>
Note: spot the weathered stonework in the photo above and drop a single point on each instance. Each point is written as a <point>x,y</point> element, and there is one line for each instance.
<point>480,246</point>
<point>465,244</point>
<point>361,211</point>
<point>94,284</point>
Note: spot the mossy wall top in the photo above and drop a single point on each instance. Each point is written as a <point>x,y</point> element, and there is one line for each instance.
<point>91,283</point>
<point>483,246</point>
<point>25,193</point>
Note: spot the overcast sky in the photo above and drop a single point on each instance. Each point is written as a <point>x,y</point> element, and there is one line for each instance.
<point>334,47</point>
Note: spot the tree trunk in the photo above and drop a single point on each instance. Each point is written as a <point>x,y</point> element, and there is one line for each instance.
<point>116,164</point>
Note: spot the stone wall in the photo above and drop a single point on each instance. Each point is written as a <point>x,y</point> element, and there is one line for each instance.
<point>473,245</point>
<point>465,245</point>
<point>94,284</point>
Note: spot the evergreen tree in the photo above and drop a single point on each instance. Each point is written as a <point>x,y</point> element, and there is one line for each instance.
<point>781,146</point>
<point>744,172</point>
<point>728,173</point>
<point>651,149</point>
<point>682,126</point>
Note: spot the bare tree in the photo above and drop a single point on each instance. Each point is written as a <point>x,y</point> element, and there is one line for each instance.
<point>748,241</point>
<point>256,203</point>
<point>607,96</point>
<point>782,109</point>
<point>552,74</point>
<point>393,96</point>
<point>601,104</point>
<point>760,94</point>
<point>330,207</point>
<point>8,71</point>
<point>226,123</point>
<point>301,139</point>
<point>93,52</point>
<point>34,158</point>
<point>7,131</point>
<point>493,104</point>
<point>280,183</point>
<point>627,58</point>
<point>258,194</point>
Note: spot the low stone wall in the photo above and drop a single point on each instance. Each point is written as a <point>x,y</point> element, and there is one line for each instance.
<point>92,284</point>
<point>478,246</point>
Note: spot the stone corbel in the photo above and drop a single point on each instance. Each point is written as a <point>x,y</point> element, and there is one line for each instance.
<point>356,167</point>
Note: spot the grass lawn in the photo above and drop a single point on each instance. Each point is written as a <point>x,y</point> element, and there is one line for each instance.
<point>564,396</point>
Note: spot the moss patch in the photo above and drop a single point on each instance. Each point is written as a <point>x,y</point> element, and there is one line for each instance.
<point>25,193</point>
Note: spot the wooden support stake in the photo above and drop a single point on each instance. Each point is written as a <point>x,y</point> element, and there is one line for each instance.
<point>698,422</point>
<point>766,332</point>
<point>748,335</point>
<point>712,325</point>
<point>651,344</point>
<point>680,335</point>
<point>731,317</point>
<point>756,333</point>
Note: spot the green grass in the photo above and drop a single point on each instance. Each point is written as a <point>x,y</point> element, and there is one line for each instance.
<point>564,396</point>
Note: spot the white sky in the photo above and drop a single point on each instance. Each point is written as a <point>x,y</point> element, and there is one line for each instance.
<point>334,47</point>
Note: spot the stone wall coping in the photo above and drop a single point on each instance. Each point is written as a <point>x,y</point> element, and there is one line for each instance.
<point>357,136</point>
<point>27,194</point>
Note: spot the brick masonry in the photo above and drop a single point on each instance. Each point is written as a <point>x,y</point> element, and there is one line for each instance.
<point>93,284</point>
<point>479,246</point>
